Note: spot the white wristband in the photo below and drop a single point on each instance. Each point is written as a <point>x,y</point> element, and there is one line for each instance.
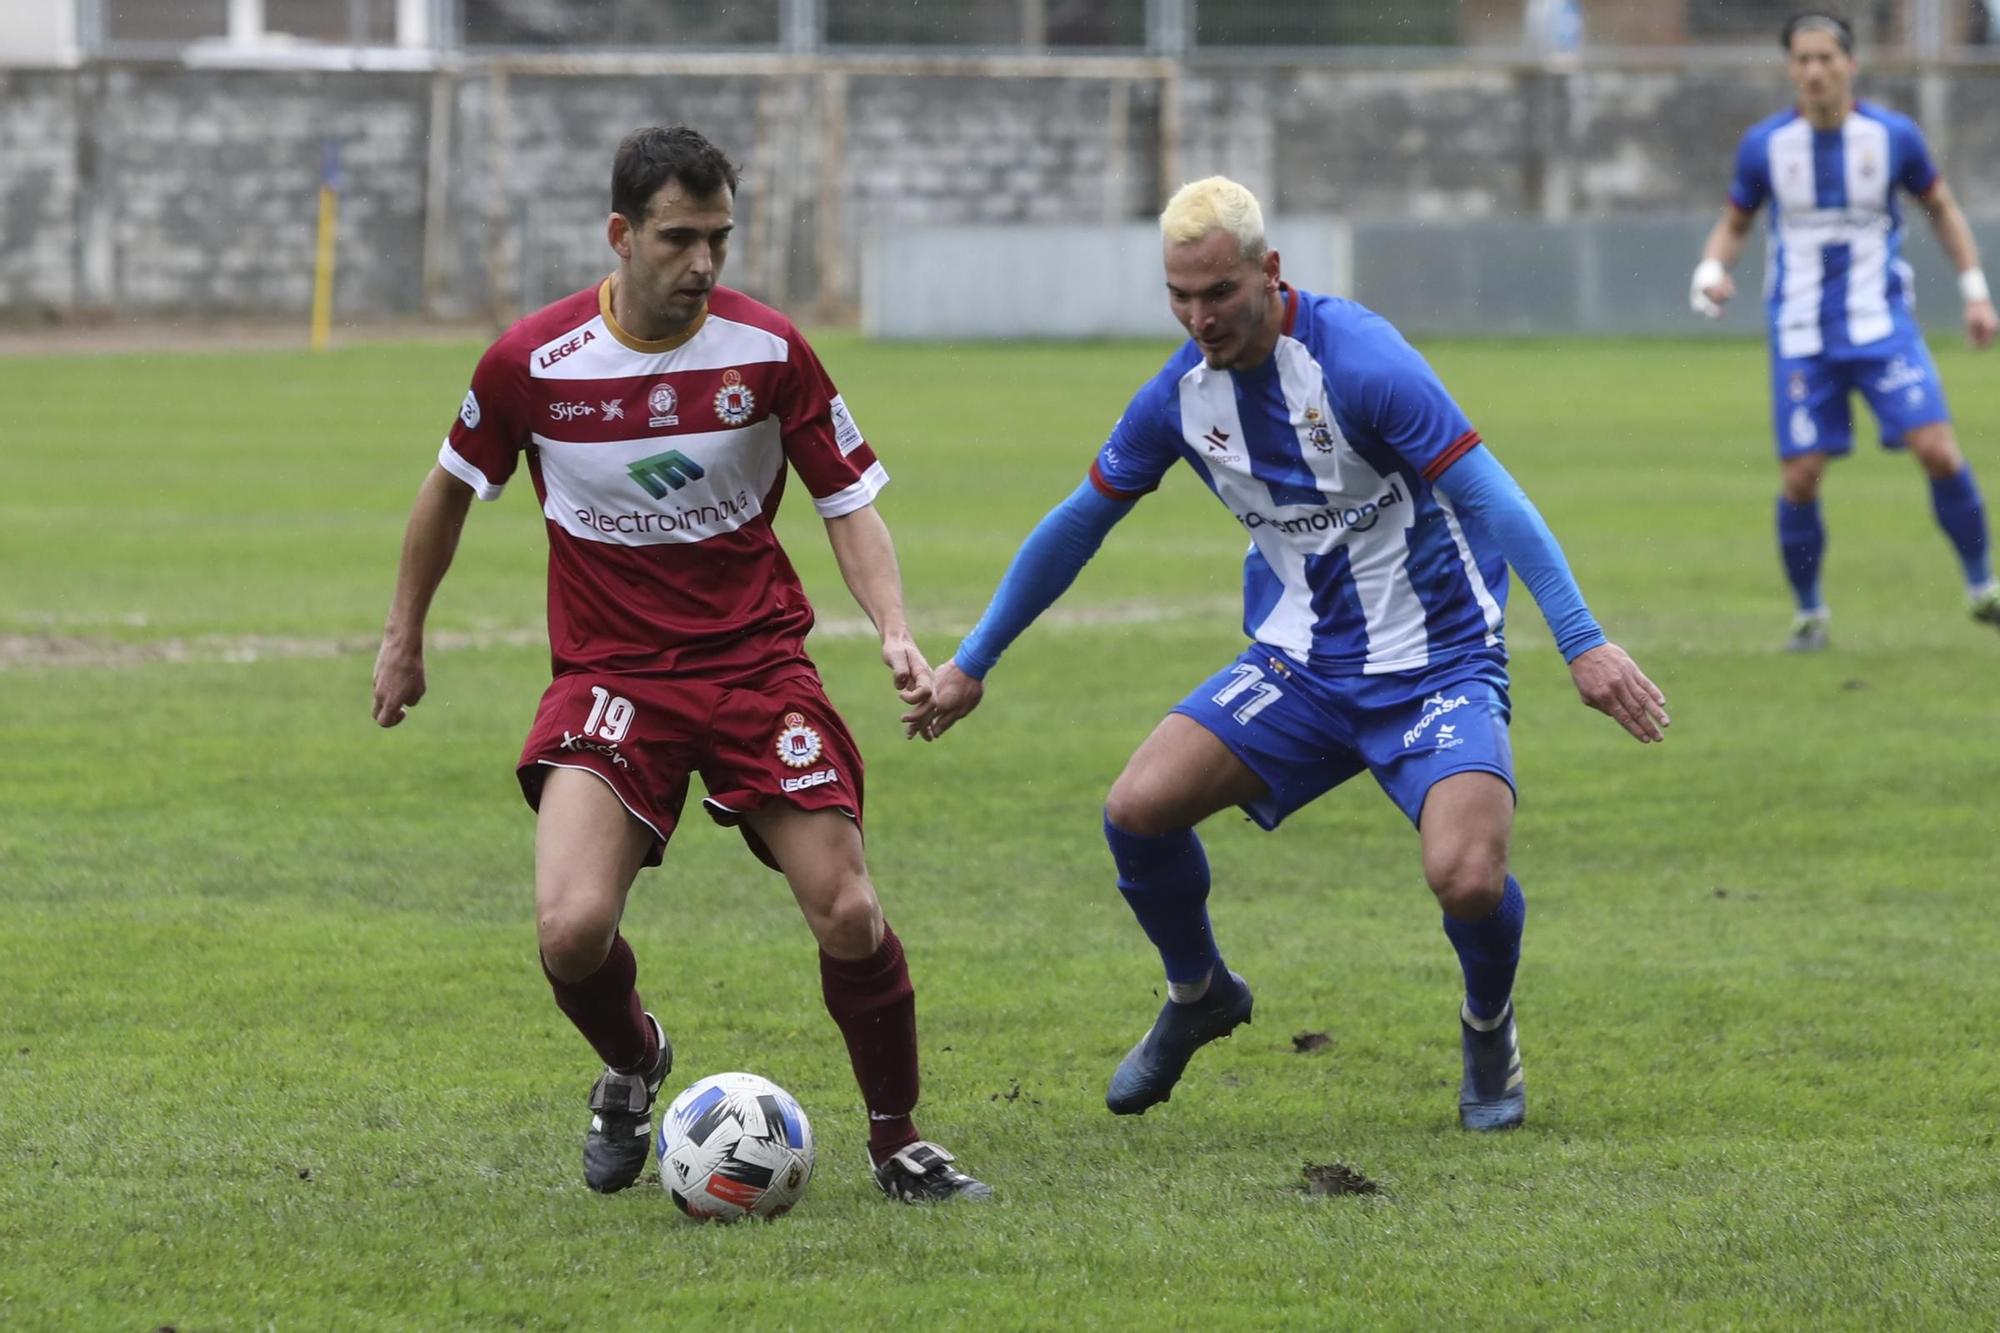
<point>1972,286</point>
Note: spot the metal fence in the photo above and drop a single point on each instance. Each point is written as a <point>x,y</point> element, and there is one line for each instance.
<point>277,29</point>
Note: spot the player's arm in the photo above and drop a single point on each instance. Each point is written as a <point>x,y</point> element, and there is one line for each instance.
<point>867,558</point>
<point>1712,286</point>
<point>429,542</point>
<point>1954,235</point>
<point>1041,571</point>
<point>1606,677</point>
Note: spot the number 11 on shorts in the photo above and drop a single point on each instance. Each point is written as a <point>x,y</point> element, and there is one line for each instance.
<point>1263,692</point>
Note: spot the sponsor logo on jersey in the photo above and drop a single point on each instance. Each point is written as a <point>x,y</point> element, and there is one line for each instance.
<point>1217,438</point>
<point>1448,738</point>
<point>468,411</point>
<point>694,517</point>
<point>665,472</point>
<point>734,402</point>
<point>661,402</point>
<point>1334,518</point>
<point>570,411</point>
<point>613,409</point>
<point>1795,389</point>
<point>798,744</point>
<point>574,343</point>
<point>845,433</point>
<point>1435,707</point>
<point>818,778</point>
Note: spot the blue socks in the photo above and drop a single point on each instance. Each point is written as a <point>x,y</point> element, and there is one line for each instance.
<point>1489,950</point>
<point>1165,881</point>
<point>1802,541</point>
<point>1960,512</point>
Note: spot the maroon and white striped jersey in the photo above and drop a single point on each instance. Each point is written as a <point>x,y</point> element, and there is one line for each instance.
<point>660,466</point>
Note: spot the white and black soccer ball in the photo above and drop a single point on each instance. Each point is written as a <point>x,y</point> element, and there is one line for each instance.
<point>735,1146</point>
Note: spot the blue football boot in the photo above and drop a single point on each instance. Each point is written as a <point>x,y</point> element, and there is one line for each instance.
<point>1494,1094</point>
<point>1149,1070</point>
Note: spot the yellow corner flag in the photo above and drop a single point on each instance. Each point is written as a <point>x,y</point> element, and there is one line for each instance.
<point>329,218</point>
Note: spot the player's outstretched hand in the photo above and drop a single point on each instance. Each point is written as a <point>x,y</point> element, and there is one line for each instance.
<point>953,695</point>
<point>907,666</point>
<point>1981,323</point>
<point>399,683</point>
<point>1611,682</point>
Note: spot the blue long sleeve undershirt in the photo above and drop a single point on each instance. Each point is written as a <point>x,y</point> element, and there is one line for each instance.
<point>1042,570</point>
<point>1480,488</point>
<point>1477,486</point>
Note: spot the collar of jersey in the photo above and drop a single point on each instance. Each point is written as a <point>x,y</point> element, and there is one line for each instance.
<point>640,344</point>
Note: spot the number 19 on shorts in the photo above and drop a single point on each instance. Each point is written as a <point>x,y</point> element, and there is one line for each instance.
<point>610,715</point>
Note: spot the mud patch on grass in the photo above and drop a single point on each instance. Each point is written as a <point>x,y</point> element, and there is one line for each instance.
<point>1304,1042</point>
<point>1337,1178</point>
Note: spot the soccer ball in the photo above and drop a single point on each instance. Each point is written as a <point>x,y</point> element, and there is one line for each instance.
<point>735,1146</point>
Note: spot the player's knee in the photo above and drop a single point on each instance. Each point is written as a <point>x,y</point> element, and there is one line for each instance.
<point>847,921</point>
<point>574,942</point>
<point>1130,810</point>
<point>1468,888</point>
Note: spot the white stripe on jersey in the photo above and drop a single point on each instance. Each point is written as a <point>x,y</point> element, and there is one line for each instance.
<point>595,492</point>
<point>1377,555</point>
<point>858,496</point>
<point>1791,168</point>
<point>1377,558</point>
<point>591,352</point>
<point>1866,148</point>
<point>1480,592</point>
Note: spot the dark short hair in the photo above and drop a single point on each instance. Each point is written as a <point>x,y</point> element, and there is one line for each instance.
<point>651,157</point>
<point>1813,20</point>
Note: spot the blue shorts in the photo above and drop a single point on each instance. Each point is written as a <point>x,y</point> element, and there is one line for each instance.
<point>1305,733</point>
<point>1809,396</point>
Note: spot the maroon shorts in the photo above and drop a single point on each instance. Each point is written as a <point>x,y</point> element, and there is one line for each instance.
<point>776,739</point>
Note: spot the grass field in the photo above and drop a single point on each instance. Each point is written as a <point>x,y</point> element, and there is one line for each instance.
<point>274,1051</point>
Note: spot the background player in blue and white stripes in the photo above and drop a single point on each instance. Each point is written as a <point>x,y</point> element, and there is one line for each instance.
<point>1380,535</point>
<point>1838,294</point>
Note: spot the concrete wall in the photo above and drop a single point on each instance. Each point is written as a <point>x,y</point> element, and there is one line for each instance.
<point>161,188</point>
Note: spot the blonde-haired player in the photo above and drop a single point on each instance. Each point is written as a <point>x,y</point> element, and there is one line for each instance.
<point>1380,535</point>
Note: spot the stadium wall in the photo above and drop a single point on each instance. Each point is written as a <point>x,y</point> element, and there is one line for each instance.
<point>159,188</point>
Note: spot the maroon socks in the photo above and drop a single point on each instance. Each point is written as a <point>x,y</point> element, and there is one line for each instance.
<point>606,1010</point>
<point>875,1007</point>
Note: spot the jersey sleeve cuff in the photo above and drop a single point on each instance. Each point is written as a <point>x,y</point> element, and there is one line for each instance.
<point>1454,451</point>
<point>450,460</point>
<point>1110,492</point>
<point>858,496</point>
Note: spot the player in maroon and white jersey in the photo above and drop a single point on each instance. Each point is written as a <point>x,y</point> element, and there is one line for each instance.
<point>659,415</point>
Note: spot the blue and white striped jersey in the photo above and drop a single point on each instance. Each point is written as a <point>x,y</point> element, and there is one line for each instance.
<point>1325,454</point>
<point>1835,277</point>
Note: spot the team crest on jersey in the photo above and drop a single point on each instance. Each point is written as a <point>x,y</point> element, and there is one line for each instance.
<point>798,744</point>
<point>661,402</point>
<point>733,401</point>
<point>1318,431</point>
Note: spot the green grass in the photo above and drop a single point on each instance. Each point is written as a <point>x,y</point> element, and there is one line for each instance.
<point>274,1051</point>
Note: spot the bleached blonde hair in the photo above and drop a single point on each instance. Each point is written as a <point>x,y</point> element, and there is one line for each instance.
<point>1214,203</point>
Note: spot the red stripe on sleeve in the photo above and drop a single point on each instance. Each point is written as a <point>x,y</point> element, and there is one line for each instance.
<point>1291,306</point>
<point>1458,449</point>
<point>1110,492</point>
